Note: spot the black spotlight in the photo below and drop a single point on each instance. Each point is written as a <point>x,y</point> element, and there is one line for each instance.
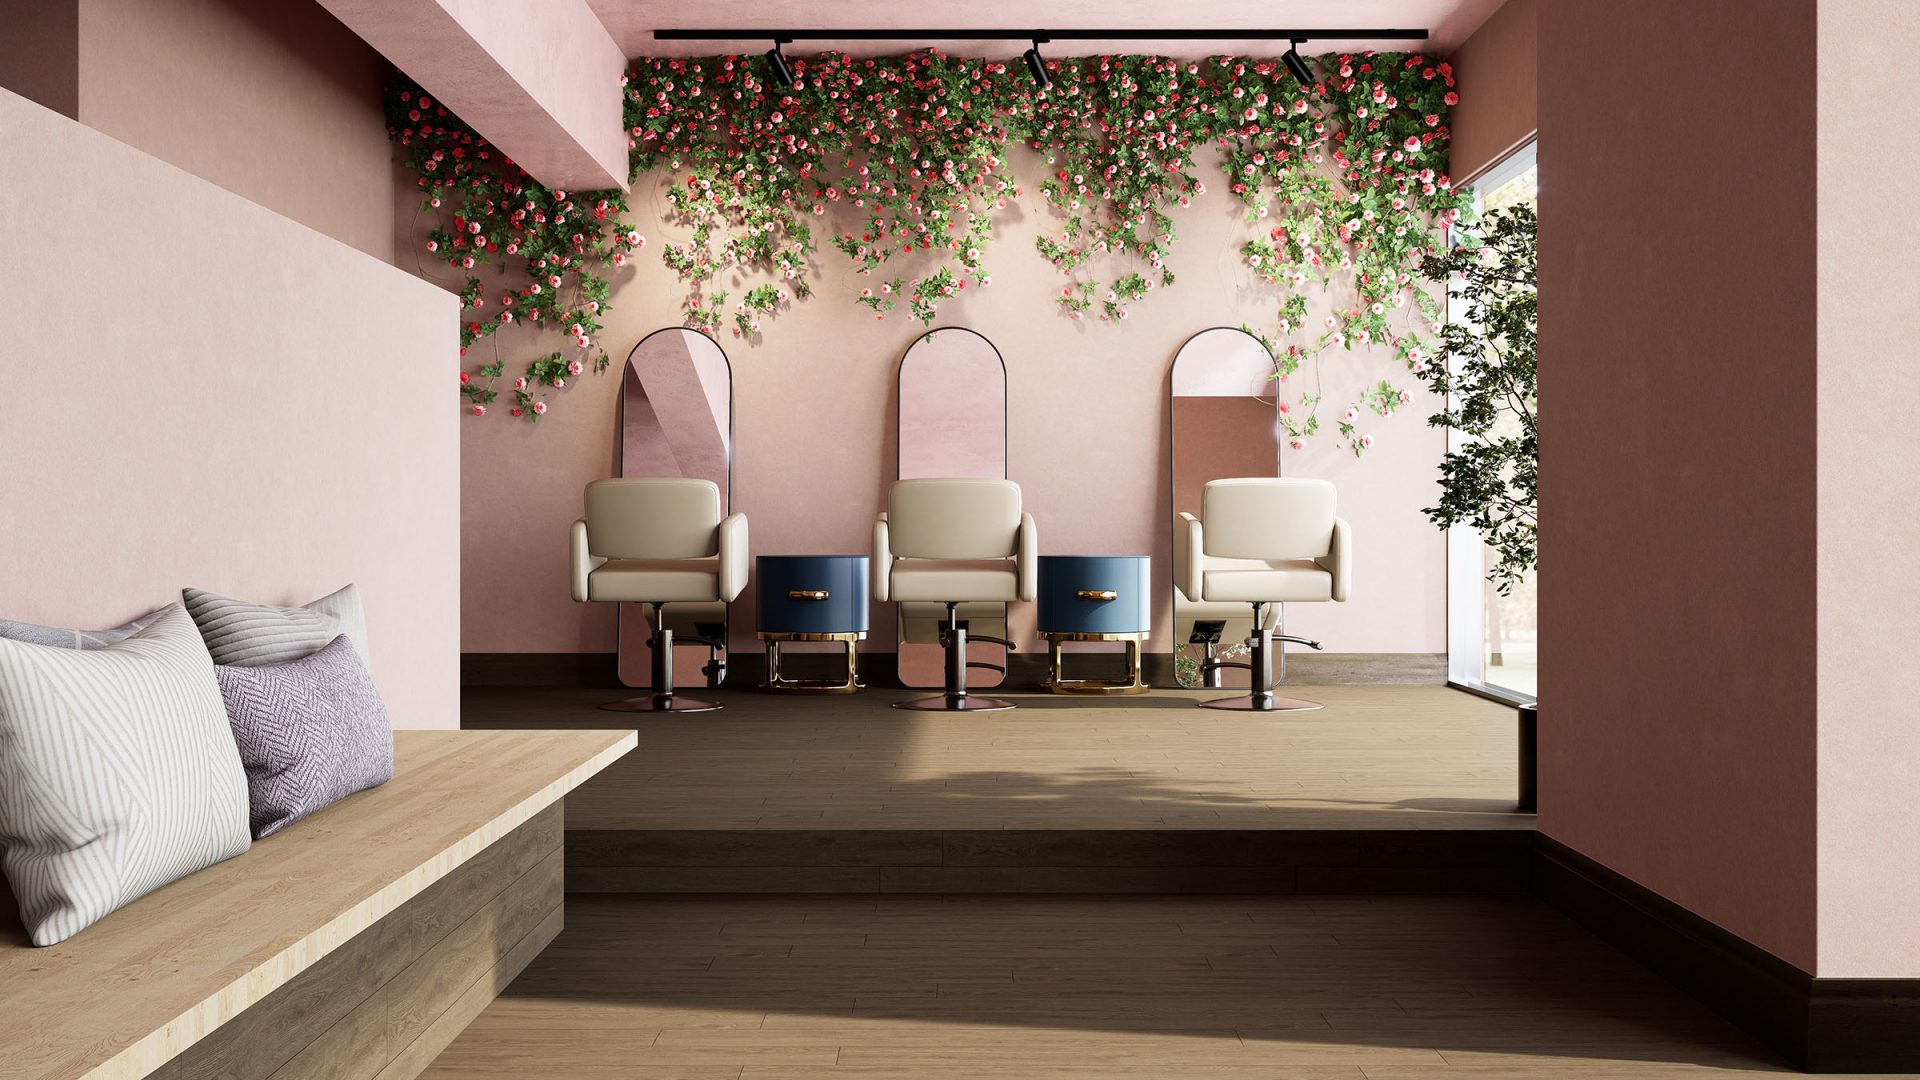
<point>777,63</point>
<point>1296,65</point>
<point>1037,67</point>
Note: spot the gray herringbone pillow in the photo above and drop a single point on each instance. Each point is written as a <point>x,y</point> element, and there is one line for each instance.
<point>117,773</point>
<point>249,634</point>
<point>311,732</point>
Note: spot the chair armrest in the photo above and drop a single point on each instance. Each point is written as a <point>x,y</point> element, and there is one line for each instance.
<point>733,556</point>
<point>1026,561</point>
<point>880,566</point>
<point>1189,557</point>
<point>1338,560</point>
<point>584,563</point>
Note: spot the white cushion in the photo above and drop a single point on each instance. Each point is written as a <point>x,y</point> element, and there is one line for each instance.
<point>954,519</point>
<point>1301,581</point>
<point>118,773</point>
<point>653,517</point>
<point>1265,517</point>
<point>955,579</point>
<point>655,581</point>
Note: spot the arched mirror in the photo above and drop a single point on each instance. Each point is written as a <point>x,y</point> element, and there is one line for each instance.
<point>953,423</point>
<point>676,419</point>
<point>1222,423</point>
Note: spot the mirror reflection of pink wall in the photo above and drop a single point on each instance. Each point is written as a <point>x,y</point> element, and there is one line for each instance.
<point>676,409</point>
<point>676,419</point>
<point>953,407</point>
<point>1224,425</point>
<point>953,423</point>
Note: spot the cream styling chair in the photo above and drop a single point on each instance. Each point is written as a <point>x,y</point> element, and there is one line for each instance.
<point>955,542</point>
<point>658,541</point>
<point>1261,541</point>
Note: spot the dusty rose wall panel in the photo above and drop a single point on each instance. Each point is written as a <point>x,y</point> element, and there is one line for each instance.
<point>1678,461</point>
<point>1869,296</point>
<point>1498,72</point>
<point>205,393</point>
<point>275,101</point>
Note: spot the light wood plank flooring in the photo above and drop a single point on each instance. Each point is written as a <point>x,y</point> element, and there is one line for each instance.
<point>931,988</point>
<point>1377,757</point>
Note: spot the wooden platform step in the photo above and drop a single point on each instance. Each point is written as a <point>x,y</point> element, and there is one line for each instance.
<point>1398,861</point>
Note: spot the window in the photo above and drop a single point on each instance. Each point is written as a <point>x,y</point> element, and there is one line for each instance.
<point>1493,640</point>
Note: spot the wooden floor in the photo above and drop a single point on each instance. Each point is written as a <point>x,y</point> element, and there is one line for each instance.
<point>1377,757</point>
<point>790,988</point>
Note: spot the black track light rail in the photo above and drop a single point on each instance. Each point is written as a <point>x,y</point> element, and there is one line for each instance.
<point>953,34</point>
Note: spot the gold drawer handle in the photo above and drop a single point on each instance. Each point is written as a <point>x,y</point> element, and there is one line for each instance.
<point>807,594</point>
<point>1098,594</point>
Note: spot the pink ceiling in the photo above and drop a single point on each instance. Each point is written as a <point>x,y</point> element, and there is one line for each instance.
<point>632,22</point>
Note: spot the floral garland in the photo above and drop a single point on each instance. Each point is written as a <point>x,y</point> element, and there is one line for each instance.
<point>1344,180</point>
<point>500,212</point>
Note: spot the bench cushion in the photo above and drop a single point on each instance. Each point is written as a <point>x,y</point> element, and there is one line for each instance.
<point>118,773</point>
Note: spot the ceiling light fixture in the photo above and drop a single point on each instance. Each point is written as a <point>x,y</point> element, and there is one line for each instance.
<point>1296,65</point>
<point>1036,66</point>
<point>1295,35</point>
<point>777,63</point>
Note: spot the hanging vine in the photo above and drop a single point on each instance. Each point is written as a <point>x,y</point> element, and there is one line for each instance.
<point>1343,183</point>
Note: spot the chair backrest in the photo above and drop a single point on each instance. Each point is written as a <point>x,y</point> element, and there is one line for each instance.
<point>1264,517</point>
<point>954,519</point>
<point>653,517</point>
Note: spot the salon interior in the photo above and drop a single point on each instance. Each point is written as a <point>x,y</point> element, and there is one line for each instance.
<point>802,540</point>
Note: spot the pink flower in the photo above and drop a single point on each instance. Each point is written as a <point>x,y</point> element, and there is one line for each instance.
<point>539,408</point>
<point>1366,440</point>
<point>574,367</point>
<point>1297,444</point>
<point>479,410</point>
<point>559,382</point>
<point>465,378</point>
<point>520,383</point>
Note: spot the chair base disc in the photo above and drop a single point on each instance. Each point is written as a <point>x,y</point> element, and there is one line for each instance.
<point>1249,703</point>
<point>653,704</point>
<point>942,703</point>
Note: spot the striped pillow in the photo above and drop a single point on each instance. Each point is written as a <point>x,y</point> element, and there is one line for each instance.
<point>118,773</point>
<point>240,634</point>
<point>14,630</point>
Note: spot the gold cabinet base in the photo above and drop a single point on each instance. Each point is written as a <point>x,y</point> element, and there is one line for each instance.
<point>778,684</point>
<point>1059,684</point>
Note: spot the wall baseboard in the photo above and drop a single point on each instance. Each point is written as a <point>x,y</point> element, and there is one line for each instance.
<point>1025,670</point>
<point>1820,1025</point>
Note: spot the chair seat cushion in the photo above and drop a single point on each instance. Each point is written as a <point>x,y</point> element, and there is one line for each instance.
<point>656,581</point>
<point>1300,581</point>
<point>955,579</point>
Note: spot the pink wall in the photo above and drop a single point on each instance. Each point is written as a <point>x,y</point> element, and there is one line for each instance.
<point>206,393</point>
<point>1677,283</point>
<point>1498,72</point>
<point>815,446</point>
<point>273,101</point>
<point>1869,538</point>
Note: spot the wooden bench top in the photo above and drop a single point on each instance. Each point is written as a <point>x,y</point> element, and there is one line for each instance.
<point>129,993</point>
